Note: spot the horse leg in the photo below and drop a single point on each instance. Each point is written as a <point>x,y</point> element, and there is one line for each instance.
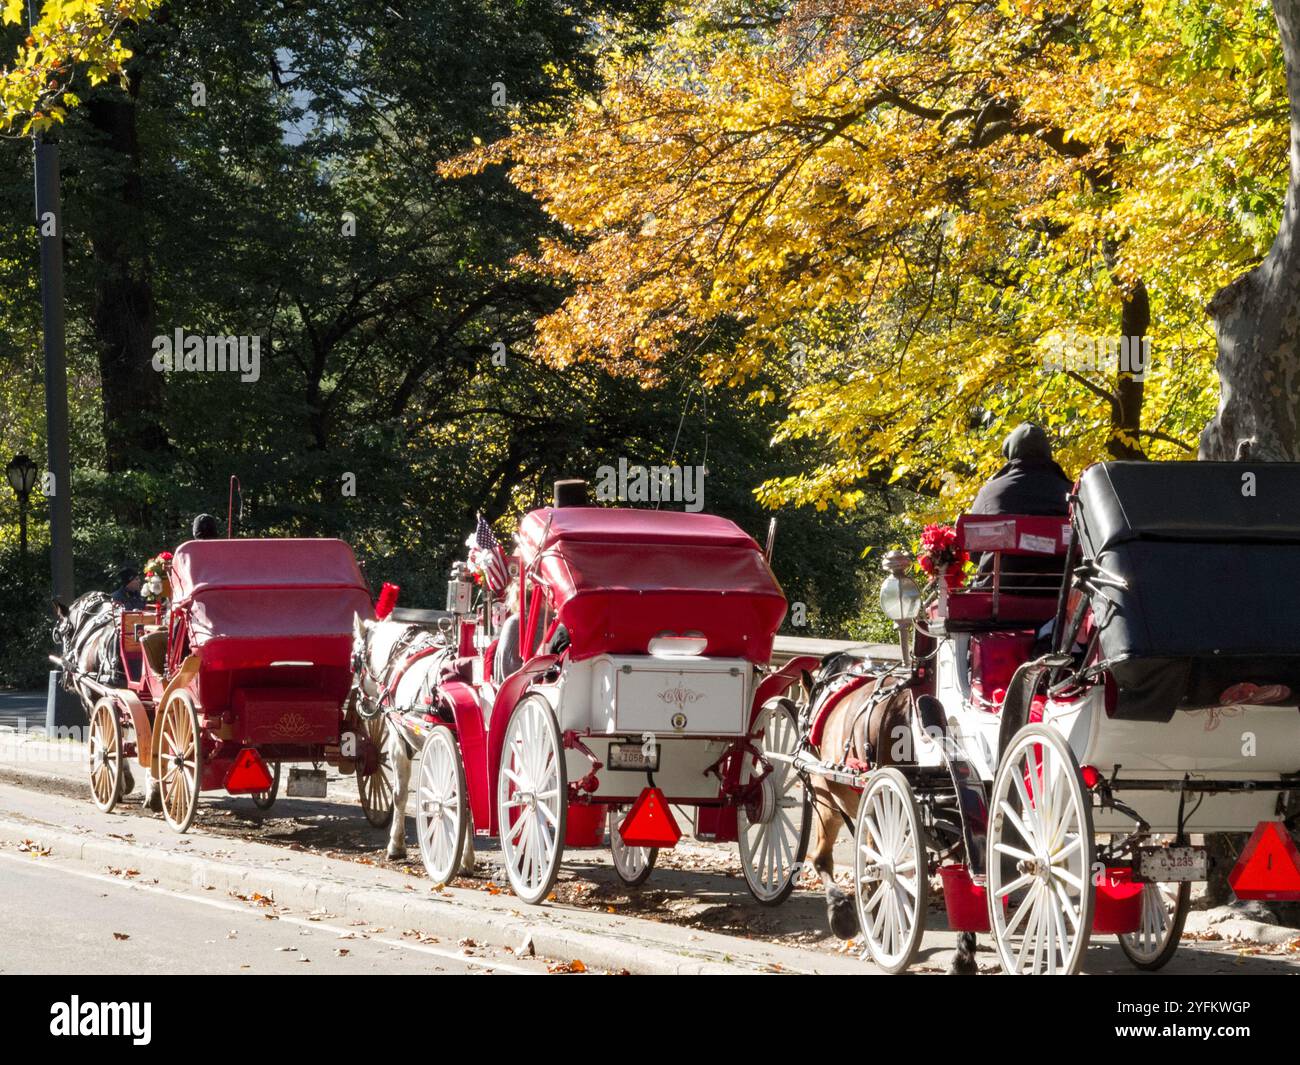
<point>840,910</point>
<point>468,859</point>
<point>963,959</point>
<point>400,759</point>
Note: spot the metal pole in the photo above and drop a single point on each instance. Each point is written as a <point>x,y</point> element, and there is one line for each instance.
<point>49,223</point>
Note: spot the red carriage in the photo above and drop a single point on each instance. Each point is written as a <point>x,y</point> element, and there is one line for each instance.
<point>247,668</point>
<point>641,682</point>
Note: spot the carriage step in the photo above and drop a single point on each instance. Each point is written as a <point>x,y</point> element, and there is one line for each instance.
<point>306,783</point>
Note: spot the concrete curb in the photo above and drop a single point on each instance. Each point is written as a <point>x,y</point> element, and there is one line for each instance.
<point>626,943</point>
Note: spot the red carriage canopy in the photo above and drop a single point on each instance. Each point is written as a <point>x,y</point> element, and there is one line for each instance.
<point>250,600</point>
<point>618,577</point>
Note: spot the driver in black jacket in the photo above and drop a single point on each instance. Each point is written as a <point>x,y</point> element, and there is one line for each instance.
<point>1030,483</point>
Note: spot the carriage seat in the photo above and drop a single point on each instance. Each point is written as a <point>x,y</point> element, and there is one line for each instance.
<point>994,659</point>
<point>1021,591</point>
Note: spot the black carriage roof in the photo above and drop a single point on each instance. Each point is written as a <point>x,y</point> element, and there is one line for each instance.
<point>1207,502</point>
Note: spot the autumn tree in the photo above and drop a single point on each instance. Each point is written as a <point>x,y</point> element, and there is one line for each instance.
<point>940,217</point>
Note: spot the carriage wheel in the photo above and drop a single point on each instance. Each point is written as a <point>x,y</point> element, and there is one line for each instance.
<point>264,800</point>
<point>532,807</point>
<point>772,831</point>
<point>441,816</point>
<point>375,789</point>
<point>890,871</point>
<point>179,761</point>
<point>105,755</point>
<point>1164,911</point>
<point>1040,856</point>
<point>632,864</point>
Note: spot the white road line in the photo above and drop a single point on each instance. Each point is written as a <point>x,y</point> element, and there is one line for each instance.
<point>222,904</point>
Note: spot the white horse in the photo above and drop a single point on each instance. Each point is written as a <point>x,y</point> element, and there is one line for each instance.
<point>394,669</point>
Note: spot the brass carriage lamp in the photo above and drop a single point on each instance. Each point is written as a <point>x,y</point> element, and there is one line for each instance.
<point>21,473</point>
<point>900,598</point>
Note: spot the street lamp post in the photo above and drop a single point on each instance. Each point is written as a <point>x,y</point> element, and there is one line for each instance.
<point>21,473</point>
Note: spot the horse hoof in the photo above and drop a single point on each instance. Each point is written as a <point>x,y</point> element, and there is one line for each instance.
<point>396,855</point>
<point>963,965</point>
<point>842,914</point>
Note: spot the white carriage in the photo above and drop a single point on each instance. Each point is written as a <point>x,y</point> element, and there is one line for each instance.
<point>1064,746</point>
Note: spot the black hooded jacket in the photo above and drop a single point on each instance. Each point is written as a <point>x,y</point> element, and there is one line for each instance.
<point>1030,483</point>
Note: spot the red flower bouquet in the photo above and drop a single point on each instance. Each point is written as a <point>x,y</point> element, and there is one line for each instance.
<point>940,553</point>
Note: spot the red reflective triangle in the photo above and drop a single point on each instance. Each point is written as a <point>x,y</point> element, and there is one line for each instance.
<point>248,774</point>
<point>650,823</point>
<point>1269,867</point>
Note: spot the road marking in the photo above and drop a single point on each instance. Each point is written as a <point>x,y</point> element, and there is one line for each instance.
<point>233,907</point>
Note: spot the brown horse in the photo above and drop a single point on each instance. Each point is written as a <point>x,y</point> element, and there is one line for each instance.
<point>868,725</point>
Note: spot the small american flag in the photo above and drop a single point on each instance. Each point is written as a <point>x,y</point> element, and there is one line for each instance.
<point>491,560</point>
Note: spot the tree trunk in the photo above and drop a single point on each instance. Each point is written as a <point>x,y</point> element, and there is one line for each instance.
<point>1126,413</point>
<point>1257,318</point>
<point>1257,321</point>
<point>123,314</point>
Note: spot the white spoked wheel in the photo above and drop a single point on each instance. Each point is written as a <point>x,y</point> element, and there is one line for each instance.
<point>105,755</point>
<point>441,814</point>
<point>264,800</point>
<point>179,761</point>
<point>375,789</point>
<point>532,793</point>
<point>632,864</point>
<point>772,828</point>
<point>1040,856</point>
<point>890,871</point>
<point>1164,912</point>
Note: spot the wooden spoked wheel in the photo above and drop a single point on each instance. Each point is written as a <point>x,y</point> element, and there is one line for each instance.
<point>180,760</point>
<point>105,755</point>
<point>772,829</point>
<point>441,809</point>
<point>264,800</point>
<point>1040,888</point>
<point>890,871</point>
<point>632,864</point>
<point>1164,912</point>
<point>532,806</point>
<point>375,789</point>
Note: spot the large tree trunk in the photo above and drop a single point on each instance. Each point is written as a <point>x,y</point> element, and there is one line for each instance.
<point>123,314</point>
<point>1257,318</point>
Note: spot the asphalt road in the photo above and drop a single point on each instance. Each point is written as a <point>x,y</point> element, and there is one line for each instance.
<point>61,920</point>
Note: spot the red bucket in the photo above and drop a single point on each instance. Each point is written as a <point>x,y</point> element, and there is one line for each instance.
<point>585,826</point>
<point>1119,903</point>
<point>965,900</point>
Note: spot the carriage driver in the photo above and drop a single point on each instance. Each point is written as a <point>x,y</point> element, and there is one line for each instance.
<point>127,594</point>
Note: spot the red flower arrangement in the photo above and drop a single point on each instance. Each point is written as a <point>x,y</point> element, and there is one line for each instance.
<point>939,551</point>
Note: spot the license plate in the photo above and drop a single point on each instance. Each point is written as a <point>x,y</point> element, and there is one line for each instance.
<point>306,783</point>
<point>1164,865</point>
<point>634,756</point>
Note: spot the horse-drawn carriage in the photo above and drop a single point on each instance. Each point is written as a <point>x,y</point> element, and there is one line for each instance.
<point>1057,749</point>
<point>628,676</point>
<point>248,667</point>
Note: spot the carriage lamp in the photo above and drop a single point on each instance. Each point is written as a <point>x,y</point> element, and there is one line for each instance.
<point>460,590</point>
<point>21,473</point>
<point>900,598</point>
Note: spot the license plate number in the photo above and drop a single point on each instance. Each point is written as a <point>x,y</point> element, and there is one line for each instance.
<point>634,756</point>
<point>1165,865</point>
